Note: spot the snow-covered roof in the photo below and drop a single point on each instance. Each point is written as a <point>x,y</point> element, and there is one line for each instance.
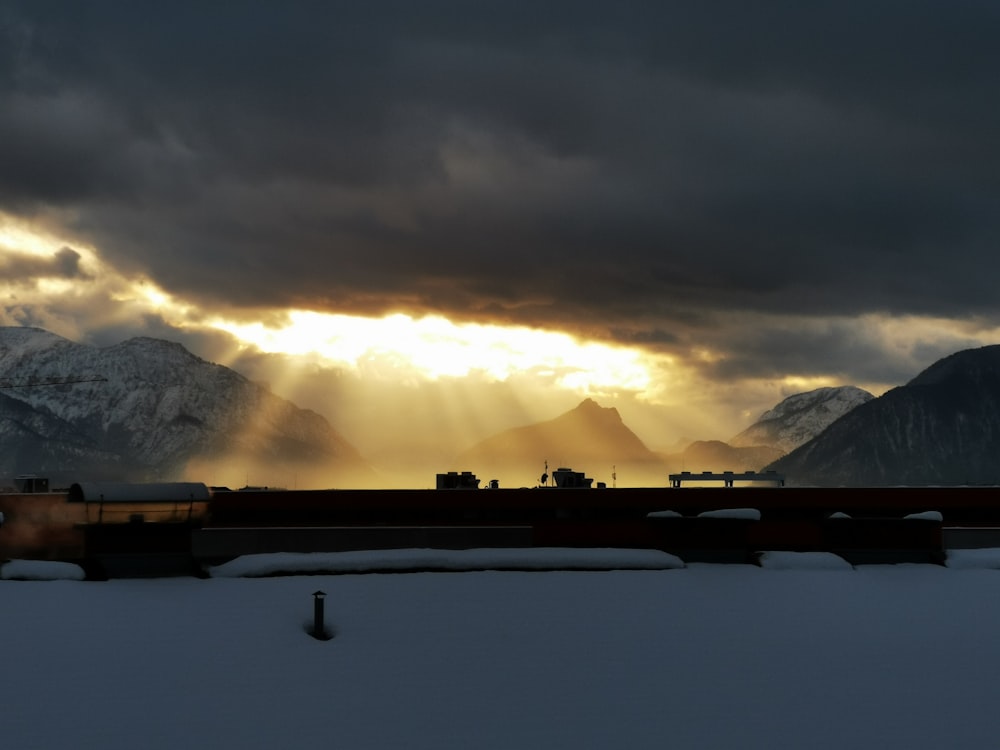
<point>747,514</point>
<point>533,558</point>
<point>121,492</point>
<point>707,656</point>
<point>927,515</point>
<point>41,570</point>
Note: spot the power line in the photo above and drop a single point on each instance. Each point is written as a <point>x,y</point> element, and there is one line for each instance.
<point>37,382</point>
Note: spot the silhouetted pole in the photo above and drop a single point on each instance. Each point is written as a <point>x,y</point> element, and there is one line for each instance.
<point>318,629</point>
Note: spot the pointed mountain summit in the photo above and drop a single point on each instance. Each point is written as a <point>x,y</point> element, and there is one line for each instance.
<point>589,438</point>
<point>160,413</point>
<point>942,428</point>
<point>800,418</point>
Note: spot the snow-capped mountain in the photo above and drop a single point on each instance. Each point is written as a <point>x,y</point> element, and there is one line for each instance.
<point>800,418</point>
<point>943,427</point>
<point>153,411</point>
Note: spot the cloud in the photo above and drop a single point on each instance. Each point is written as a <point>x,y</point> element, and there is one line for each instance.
<point>756,180</point>
<point>21,267</point>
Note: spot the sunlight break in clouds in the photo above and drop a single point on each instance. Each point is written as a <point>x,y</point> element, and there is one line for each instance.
<point>434,347</point>
<point>13,236</point>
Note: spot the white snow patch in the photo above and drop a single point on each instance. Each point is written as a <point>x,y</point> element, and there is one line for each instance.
<point>41,570</point>
<point>535,558</point>
<point>787,560</point>
<point>927,515</point>
<point>748,514</point>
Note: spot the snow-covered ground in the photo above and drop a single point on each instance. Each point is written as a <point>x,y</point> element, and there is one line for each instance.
<point>802,652</point>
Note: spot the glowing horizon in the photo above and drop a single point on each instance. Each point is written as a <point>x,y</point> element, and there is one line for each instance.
<point>397,347</point>
<point>434,347</point>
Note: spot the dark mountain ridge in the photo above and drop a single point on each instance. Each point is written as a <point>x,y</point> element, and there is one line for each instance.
<point>589,438</point>
<point>716,455</point>
<point>941,428</point>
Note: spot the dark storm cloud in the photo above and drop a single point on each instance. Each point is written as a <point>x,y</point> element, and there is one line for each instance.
<point>64,264</point>
<point>614,167</point>
<point>824,348</point>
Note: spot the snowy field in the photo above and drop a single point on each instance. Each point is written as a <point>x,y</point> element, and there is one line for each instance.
<point>803,652</point>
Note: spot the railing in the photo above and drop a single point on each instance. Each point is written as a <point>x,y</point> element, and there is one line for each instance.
<point>728,478</point>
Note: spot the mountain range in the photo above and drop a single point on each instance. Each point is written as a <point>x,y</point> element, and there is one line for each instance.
<point>152,411</point>
<point>595,437</point>
<point>941,428</point>
<point>149,410</point>
<point>589,437</point>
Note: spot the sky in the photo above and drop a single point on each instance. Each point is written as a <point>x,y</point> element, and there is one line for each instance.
<point>785,655</point>
<point>685,210</point>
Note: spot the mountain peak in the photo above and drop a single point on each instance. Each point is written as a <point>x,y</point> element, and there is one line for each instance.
<point>19,341</point>
<point>942,428</point>
<point>589,438</point>
<point>801,417</point>
<point>969,364</point>
<point>158,411</point>
<point>590,409</point>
